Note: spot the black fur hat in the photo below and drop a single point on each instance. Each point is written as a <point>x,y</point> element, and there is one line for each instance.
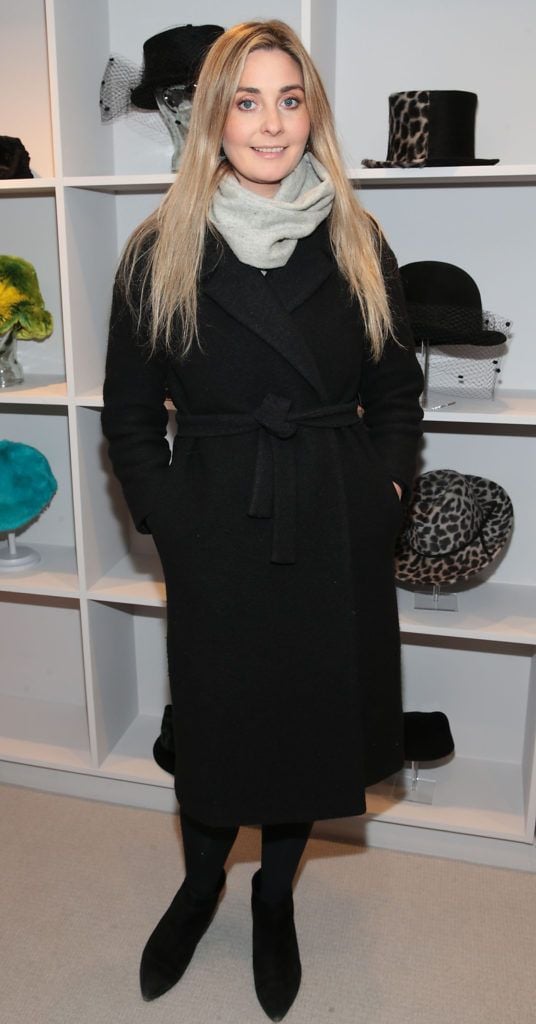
<point>173,57</point>
<point>431,129</point>
<point>14,159</point>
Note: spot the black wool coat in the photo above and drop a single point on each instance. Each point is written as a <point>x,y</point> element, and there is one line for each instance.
<point>275,523</point>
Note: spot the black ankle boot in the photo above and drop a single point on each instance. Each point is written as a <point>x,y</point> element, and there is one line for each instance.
<point>172,944</point>
<point>276,958</point>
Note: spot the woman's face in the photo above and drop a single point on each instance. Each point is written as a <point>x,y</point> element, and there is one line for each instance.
<point>268,125</point>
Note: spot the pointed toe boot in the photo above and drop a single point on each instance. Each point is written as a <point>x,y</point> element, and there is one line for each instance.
<point>172,944</point>
<point>276,958</point>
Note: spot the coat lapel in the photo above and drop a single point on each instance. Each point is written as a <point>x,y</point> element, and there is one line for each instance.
<point>263,304</point>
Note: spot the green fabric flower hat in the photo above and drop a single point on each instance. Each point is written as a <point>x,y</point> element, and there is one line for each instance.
<point>22,315</point>
<point>21,302</point>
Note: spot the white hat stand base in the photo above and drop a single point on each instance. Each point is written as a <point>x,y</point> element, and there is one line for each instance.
<point>13,557</point>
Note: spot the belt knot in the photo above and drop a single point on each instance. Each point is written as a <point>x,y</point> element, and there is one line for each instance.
<point>272,415</point>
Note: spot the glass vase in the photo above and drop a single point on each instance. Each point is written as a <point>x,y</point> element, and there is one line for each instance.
<point>10,368</point>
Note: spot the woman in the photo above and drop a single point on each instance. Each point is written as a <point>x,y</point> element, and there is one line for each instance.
<point>267,302</point>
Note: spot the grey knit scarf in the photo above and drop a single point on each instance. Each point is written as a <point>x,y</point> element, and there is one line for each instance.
<point>264,232</point>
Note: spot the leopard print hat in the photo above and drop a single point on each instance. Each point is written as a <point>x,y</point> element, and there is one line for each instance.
<point>456,524</point>
<point>431,129</point>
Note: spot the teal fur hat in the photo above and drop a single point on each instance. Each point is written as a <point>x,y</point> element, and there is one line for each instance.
<point>27,484</point>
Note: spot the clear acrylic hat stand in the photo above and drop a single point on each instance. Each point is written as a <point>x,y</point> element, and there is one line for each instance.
<point>435,599</point>
<point>13,557</point>
<point>454,372</point>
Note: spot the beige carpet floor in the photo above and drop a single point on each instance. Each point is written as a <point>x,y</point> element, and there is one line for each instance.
<point>385,937</point>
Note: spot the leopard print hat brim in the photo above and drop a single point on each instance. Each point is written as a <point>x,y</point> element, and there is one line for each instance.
<point>429,163</point>
<point>456,525</point>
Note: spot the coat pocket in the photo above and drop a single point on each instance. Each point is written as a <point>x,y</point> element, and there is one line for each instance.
<point>167,499</point>
<point>380,471</point>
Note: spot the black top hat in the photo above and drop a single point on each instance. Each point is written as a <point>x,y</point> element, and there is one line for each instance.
<point>445,308</point>
<point>431,129</point>
<point>455,526</point>
<point>14,158</point>
<point>173,57</point>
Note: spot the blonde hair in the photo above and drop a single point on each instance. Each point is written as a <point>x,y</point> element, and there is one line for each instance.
<point>166,249</point>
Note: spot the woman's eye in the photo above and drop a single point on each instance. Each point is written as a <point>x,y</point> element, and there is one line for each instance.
<point>291,102</point>
<point>246,104</point>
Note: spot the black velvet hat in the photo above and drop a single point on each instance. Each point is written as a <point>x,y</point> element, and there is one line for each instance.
<point>431,129</point>
<point>14,159</point>
<point>445,308</point>
<point>427,736</point>
<point>173,57</point>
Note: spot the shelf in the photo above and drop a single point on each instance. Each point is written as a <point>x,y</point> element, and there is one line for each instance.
<point>37,389</point>
<point>498,174</point>
<point>497,612</point>
<point>508,407</point>
<point>132,760</point>
<point>472,796</point>
<point>35,731</point>
<point>516,408</point>
<point>56,575</point>
<point>28,187</point>
<point>122,184</point>
<point>92,398</point>
<point>132,580</point>
<point>366,177</point>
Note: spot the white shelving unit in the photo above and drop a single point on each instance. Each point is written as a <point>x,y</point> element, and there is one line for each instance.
<point>84,681</point>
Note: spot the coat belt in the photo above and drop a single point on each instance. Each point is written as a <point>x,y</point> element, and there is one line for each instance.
<point>273,493</point>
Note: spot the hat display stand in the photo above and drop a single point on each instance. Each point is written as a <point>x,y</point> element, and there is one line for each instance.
<point>427,739</point>
<point>436,599</point>
<point>10,369</point>
<point>455,372</point>
<point>175,108</point>
<point>21,557</point>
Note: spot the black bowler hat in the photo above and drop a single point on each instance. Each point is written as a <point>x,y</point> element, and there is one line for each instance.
<point>445,308</point>
<point>173,57</point>
<point>431,129</point>
<point>427,736</point>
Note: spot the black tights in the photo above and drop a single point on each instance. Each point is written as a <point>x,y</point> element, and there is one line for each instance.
<point>206,848</point>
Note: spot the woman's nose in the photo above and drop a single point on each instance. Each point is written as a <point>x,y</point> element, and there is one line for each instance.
<point>272,121</point>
